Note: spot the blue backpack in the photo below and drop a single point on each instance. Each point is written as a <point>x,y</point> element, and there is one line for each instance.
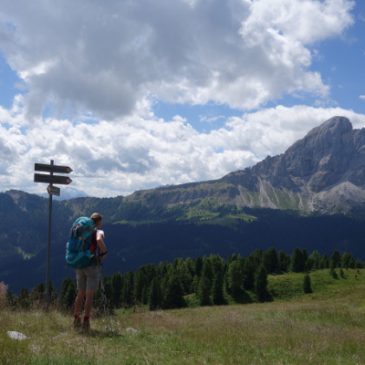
<point>78,254</point>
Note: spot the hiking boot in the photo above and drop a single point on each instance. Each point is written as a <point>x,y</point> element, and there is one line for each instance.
<point>86,325</point>
<point>77,323</point>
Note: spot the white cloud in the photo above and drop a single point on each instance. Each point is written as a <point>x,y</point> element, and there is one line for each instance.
<point>362,97</point>
<point>106,58</point>
<point>140,151</point>
<point>103,65</point>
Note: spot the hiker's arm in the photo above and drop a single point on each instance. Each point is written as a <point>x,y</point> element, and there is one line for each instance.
<point>101,245</point>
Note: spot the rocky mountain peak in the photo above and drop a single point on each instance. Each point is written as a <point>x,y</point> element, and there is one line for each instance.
<point>322,157</point>
<point>329,156</point>
<point>329,138</point>
<point>333,127</point>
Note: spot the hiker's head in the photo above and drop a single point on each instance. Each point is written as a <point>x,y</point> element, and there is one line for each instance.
<point>97,218</point>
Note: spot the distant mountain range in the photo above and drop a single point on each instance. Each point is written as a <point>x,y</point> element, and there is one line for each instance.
<point>312,196</point>
<point>324,172</point>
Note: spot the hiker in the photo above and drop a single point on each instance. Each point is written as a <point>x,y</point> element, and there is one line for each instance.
<point>88,278</point>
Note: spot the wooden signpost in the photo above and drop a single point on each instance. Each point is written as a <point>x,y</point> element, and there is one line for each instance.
<point>51,179</point>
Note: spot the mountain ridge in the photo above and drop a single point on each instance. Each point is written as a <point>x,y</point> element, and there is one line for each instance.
<point>323,172</point>
<point>312,195</point>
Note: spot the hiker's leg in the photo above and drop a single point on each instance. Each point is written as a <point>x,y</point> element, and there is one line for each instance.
<point>93,277</point>
<point>81,291</point>
<point>78,302</point>
<point>89,303</point>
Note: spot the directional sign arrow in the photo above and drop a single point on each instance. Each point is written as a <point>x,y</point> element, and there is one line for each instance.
<point>53,190</point>
<point>52,168</point>
<point>52,179</point>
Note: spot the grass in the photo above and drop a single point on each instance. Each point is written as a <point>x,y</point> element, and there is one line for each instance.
<point>325,327</point>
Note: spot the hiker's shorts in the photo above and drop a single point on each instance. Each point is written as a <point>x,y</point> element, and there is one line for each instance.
<point>88,278</point>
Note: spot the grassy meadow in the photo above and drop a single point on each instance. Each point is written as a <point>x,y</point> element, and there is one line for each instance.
<point>325,327</point>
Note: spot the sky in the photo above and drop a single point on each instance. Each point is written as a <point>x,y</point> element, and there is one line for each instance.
<point>140,94</point>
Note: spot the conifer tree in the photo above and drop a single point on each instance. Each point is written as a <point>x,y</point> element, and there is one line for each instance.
<point>70,295</point>
<point>155,298</point>
<point>108,292</point>
<point>67,294</point>
<point>195,284</point>
<point>271,261</point>
<point>127,290</point>
<point>205,283</point>
<point>298,260</point>
<point>307,284</point>
<point>314,261</point>
<point>138,286</point>
<point>10,299</point>
<point>185,276</point>
<point>198,266</point>
<point>346,260</point>
<point>117,289</point>
<point>174,293</point>
<point>256,257</point>
<point>261,290</point>
<point>235,280</point>
<point>24,299</point>
<point>217,290</point>
<point>284,262</point>
<point>336,259</point>
<point>204,289</point>
<point>249,269</point>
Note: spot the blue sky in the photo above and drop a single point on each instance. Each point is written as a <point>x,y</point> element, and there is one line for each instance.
<point>134,95</point>
<point>8,83</point>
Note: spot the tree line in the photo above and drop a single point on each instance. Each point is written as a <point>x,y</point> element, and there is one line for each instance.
<point>208,280</point>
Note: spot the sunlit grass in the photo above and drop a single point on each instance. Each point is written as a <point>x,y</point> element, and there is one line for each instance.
<point>326,327</point>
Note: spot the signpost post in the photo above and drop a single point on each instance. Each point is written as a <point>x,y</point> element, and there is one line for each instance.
<point>52,190</point>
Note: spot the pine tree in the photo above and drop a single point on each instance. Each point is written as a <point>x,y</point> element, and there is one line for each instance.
<point>346,260</point>
<point>127,299</point>
<point>249,269</point>
<point>307,284</point>
<point>67,294</point>
<point>261,285</point>
<point>24,299</point>
<point>174,294</point>
<point>336,259</point>
<point>205,283</point>
<point>235,280</point>
<point>284,261</point>
<point>217,290</point>
<point>108,293</point>
<point>117,289</point>
<point>271,261</point>
<point>155,297</point>
<point>198,266</point>
<point>298,260</point>
<point>10,300</point>
<point>186,279</point>
<point>257,257</point>
<point>314,261</point>
<point>138,286</point>
<point>204,289</point>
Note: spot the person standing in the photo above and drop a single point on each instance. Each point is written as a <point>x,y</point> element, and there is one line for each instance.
<point>88,278</point>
